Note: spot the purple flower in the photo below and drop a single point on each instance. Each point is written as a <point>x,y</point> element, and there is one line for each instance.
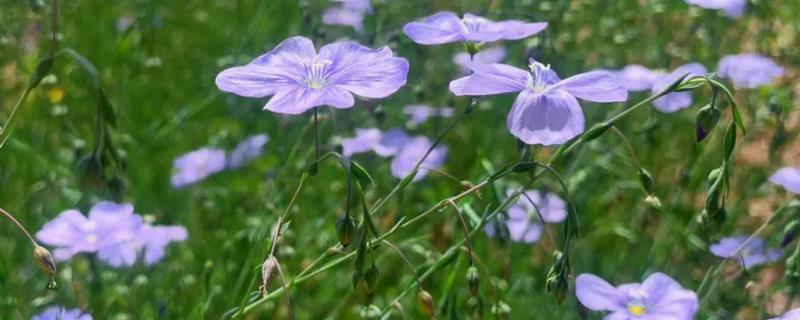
<point>413,151</point>
<point>485,56</point>
<point>658,297</point>
<point>546,111</point>
<point>149,240</point>
<point>197,165</point>
<point>59,313</point>
<point>108,225</point>
<point>524,224</point>
<point>384,144</point>
<point>750,70</point>
<point>751,255</point>
<point>299,79</point>
<point>788,178</point>
<point>790,315</point>
<point>350,13</point>
<point>249,149</point>
<point>446,27</point>
<point>420,113</point>
<point>733,8</point>
<point>639,78</point>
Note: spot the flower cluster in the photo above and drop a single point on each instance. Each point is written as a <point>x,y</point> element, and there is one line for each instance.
<point>405,149</point>
<point>526,215</point>
<point>112,231</point>
<point>749,252</point>
<point>199,164</point>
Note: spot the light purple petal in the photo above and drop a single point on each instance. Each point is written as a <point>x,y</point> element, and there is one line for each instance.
<point>524,231</point>
<point>597,86</point>
<point>753,254</point>
<point>677,100</point>
<point>597,294</point>
<point>64,230</point>
<point>251,148</point>
<point>345,17</point>
<point>197,165</point>
<point>637,77</point>
<point>442,27</point>
<point>749,70</point>
<point>733,8</point>
<point>412,152</point>
<point>489,80</point>
<point>788,178</point>
<point>276,70</point>
<point>667,299</point>
<point>485,56</point>
<point>370,73</point>
<point>364,140</point>
<point>479,29</point>
<point>546,119</point>
<point>791,315</point>
<point>60,313</point>
<point>391,142</point>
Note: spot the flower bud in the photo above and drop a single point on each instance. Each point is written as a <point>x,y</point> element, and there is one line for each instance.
<point>372,277</point>
<point>268,273</point>
<point>706,120</point>
<point>473,279</point>
<point>713,176</point>
<point>371,312</point>
<point>345,230</point>
<point>595,131</point>
<point>790,232</point>
<point>91,171</point>
<point>45,261</point>
<point>117,187</point>
<point>426,302</point>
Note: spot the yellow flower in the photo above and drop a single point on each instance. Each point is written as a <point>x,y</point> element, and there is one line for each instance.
<point>55,95</point>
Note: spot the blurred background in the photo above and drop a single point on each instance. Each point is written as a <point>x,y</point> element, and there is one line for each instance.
<point>156,63</point>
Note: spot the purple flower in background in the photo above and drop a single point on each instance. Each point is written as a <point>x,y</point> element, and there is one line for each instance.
<point>384,144</point>
<point>788,178</point>
<point>59,313</point>
<point>446,27</point>
<point>421,113</point>
<point>753,254</point>
<point>733,8</point>
<point>197,165</point>
<point>298,78</point>
<point>524,223</point>
<point>411,152</point>
<point>71,232</point>
<point>790,315</point>
<point>249,149</point>
<point>639,78</point>
<point>149,240</point>
<point>546,111</point>
<point>658,297</point>
<point>750,70</point>
<point>485,56</point>
<point>349,13</point>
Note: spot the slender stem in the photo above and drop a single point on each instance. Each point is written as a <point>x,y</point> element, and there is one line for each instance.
<point>14,110</point>
<point>466,230</point>
<point>316,136</point>
<point>19,225</point>
<point>628,144</point>
<point>541,218</point>
<point>405,259</point>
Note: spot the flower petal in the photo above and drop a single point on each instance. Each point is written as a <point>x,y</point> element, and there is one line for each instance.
<point>295,100</point>
<point>597,294</point>
<point>667,299</point>
<point>750,70</point>
<point>371,73</point>
<point>516,30</point>
<point>597,86</point>
<point>442,27</point>
<point>788,178</point>
<point>546,119</point>
<point>637,77</point>
<point>490,79</point>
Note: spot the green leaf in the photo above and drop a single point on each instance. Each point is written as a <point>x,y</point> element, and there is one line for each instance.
<point>524,166</point>
<point>361,174</point>
<point>42,69</point>
<point>730,140</point>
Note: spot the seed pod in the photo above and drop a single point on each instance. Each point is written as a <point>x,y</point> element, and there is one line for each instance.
<point>473,279</point>
<point>45,260</point>
<point>426,302</point>
<point>372,277</point>
<point>502,310</point>
<point>268,273</point>
<point>345,230</point>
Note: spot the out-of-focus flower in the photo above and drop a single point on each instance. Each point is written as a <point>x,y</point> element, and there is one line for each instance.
<point>348,13</point>
<point>298,78</point>
<point>790,315</point>
<point>658,297</point>
<point>151,241</point>
<point>524,223</point>
<point>788,178</point>
<point>750,70</point>
<point>421,113</point>
<point>108,225</point>
<point>733,8</point>
<point>751,255</point>
<point>485,56</point>
<point>546,111</point>
<point>412,152</point>
<point>384,144</point>
<point>249,149</point>
<point>639,78</point>
<point>446,27</point>
<point>60,313</point>
<point>197,165</point>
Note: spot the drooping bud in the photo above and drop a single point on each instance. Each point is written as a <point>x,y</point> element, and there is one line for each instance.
<point>473,279</point>
<point>268,273</point>
<point>372,277</point>
<point>117,187</point>
<point>91,171</point>
<point>371,312</point>
<point>557,283</point>
<point>646,180</point>
<point>707,119</point>
<point>502,310</point>
<point>45,261</point>
<point>345,230</point>
<point>790,232</point>
<point>426,302</point>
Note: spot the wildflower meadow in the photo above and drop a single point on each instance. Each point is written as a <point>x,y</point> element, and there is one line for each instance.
<point>400,159</point>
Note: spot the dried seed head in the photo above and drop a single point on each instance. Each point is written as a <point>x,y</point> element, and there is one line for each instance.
<point>371,312</point>
<point>501,309</point>
<point>45,260</point>
<point>268,273</point>
<point>426,302</point>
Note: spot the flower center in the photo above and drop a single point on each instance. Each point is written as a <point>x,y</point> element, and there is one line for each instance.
<point>473,23</point>
<point>636,309</point>
<point>636,304</point>
<point>537,79</point>
<point>315,73</point>
<point>91,238</point>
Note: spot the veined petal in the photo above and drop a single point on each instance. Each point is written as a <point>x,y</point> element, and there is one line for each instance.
<point>597,86</point>
<point>516,30</point>
<point>338,97</point>
<point>667,299</point>
<point>672,102</point>
<point>637,77</point>
<point>292,52</point>
<point>788,178</point>
<point>489,79</point>
<point>546,119</point>
<point>597,294</point>
<point>371,73</point>
<point>442,27</point>
<point>295,100</point>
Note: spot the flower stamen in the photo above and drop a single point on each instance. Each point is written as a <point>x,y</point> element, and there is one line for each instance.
<point>315,73</point>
